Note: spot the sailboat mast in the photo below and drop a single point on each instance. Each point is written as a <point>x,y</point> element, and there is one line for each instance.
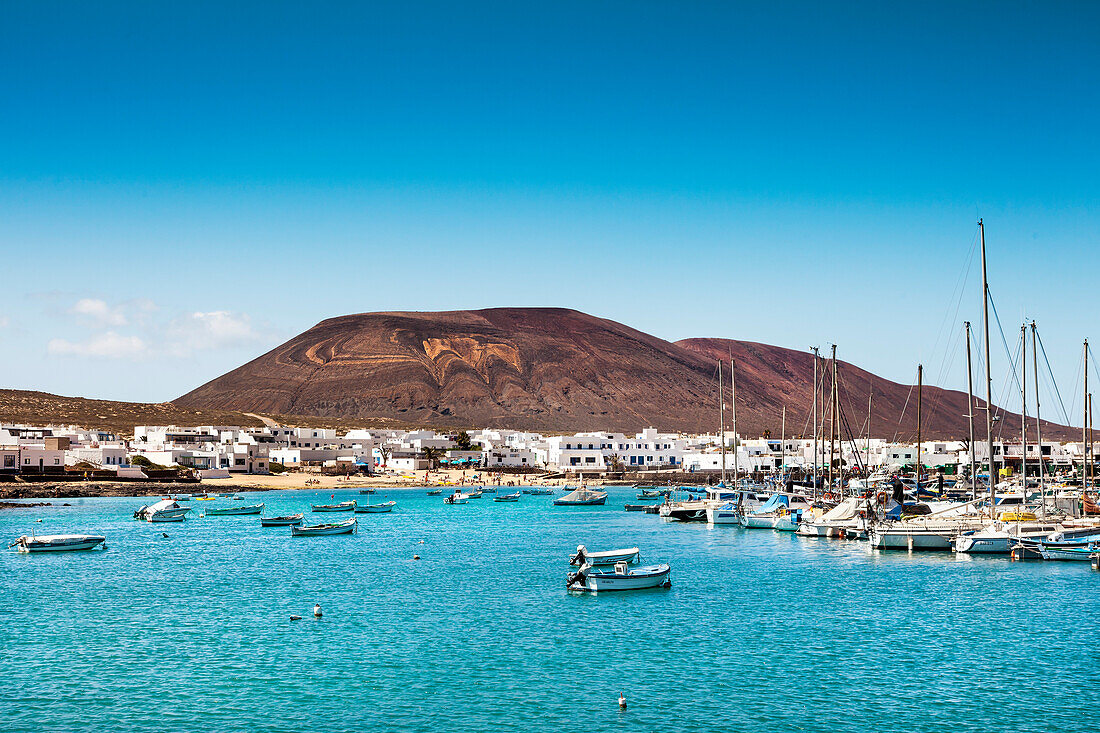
<point>733,408</point>
<point>988,383</point>
<point>970,418</point>
<point>833,424</point>
<point>722,420</point>
<point>1085,425</point>
<point>783,442</point>
<point>1038,426</point>
<point>920,382</point>
<point>814,398</point>
<point>870,396</point>
<point>1023,407</point>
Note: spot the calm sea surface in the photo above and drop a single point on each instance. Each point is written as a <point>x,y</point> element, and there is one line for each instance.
<point>760,630</point>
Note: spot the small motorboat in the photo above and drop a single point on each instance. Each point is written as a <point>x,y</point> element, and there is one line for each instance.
<point>586,579</point>
<point>1082,554</point>
<point>653,493</point>
<point>539,492</point>
<point>290,520</point>
<point>375,508</point>
<point>165,510</point>
<point>435,492</point>
<point>474,494</point>
<point>607,557</point>
<point>233,511</point>
<point>367,491</point>
<point>181,497</point>
<point>507,497</point>
<point>637,507</point>
<point>236,497</point>
<point>344,506</point>
<point>315,530</point>
<point>58,542</point>
<point>582,497</point>
<point>456,498</point>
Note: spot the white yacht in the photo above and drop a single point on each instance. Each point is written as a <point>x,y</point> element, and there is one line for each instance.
<point>162,511</point>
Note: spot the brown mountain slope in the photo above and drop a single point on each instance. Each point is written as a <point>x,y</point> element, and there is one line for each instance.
<point>539,368</point>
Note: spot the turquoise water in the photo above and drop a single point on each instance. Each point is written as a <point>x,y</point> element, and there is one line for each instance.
<point>759,630</point>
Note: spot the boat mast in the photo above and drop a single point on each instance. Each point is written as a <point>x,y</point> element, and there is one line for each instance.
<point>988,382</point>
<point>970,417</point>
<point>870,396</point>
<point>733,409</point>
<point>1038,427</point>
<point>832,424</point>
<point>1085,425</point>
<point>813,398</point>
<point>1023,408</point>
<point>920,462</point>
<point>783,442</point>
<point>722,420</point>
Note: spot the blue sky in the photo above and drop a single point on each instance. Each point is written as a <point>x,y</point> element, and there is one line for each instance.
<point>184,186</point>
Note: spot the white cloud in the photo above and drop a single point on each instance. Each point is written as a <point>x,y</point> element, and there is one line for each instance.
<point>100,313</point>
<point>108,345</point>
<point>201,331</point>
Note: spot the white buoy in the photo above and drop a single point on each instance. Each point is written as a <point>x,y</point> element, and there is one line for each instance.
<point>622,702</point>
<point>416,557</point>
<point>419,543</point>
<point>317,610</point>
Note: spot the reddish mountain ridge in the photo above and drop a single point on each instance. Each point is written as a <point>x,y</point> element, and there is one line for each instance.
<point>547,369</point>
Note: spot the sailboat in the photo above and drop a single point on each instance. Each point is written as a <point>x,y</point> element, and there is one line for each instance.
<point>582,496</point>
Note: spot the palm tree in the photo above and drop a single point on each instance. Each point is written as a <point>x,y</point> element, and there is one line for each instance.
<point>432,455</point>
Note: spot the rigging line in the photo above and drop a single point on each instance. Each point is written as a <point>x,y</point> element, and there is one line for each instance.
<point>897,428</point>
<point>940,394</point>
<point>956,294</point>
<point>1076,381</point>
<point>813,401</point>
<point>851,439</point>
<point>1000,412</point>
<point>1050,371</point>
<point>1003,339</point>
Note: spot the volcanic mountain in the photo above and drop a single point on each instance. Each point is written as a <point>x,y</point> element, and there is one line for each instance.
<point>550,369</point>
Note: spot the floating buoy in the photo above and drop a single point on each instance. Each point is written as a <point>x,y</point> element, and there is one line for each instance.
<point>317,610</point>
<point>164,535</point>
<point>420,542</point>
<point>39,521</point>
<point>416,557</point>
<point>622,702</point>
<point>295,618</point>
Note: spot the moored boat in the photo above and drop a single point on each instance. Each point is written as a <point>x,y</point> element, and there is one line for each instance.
<point>582,497</point>
<point>507,497</point>
<point>435,492</point>
<point>606,557</point>
<point>375,508</point>
<point>165,510</point>
<point>315,530</point>
<point>344,506</point>
<point>289,520</point>
<point>456,498</point>
<point>587,579</point>
<point>233,511</point>
<point>367,491</point>
<point>58,542</point>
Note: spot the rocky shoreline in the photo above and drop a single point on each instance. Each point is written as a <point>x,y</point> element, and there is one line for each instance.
<point>86,490</point>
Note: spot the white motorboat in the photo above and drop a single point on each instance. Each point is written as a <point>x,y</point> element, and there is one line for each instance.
<point>315,530</point>
<point>783,511</point>
<point>375,508</point>
<point>607,557</point>
<point>621,578</point>
<point>582,497</point>
<point>289,520</point>
<point>457,498</point>
<point>507,497</point>
<point>846,519</point>
<point>165,510</point>
<point>58,542</point>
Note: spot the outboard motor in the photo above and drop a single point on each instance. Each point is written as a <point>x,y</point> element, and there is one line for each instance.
<point>581,557</point>
<point>579,578</point>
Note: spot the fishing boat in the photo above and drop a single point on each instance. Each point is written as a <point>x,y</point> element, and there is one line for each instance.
<point>344,506</point>
<point>607,557</point>
<point>653,493</point>
<point>233,511</point>
<point>637,507</point>
<point>1000,537</point>
<point>539,492</point>
<point>236,497</point>
<point>582,497</point>
<point>487,489</point>
<point>586,579</point>
<point>1083,554</point>
<point>290,520</point>
<point>435,492</point>
<point>507,497</point>
<point>315,530</point>
<point>474,494</point>
<point>181,497</point>
<point>367,491</point>
<point>165,510</point>
<point>375,508</point>
<point>58,542</point>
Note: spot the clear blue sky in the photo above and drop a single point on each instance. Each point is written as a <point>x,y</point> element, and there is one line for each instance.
<point>183,186</point>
